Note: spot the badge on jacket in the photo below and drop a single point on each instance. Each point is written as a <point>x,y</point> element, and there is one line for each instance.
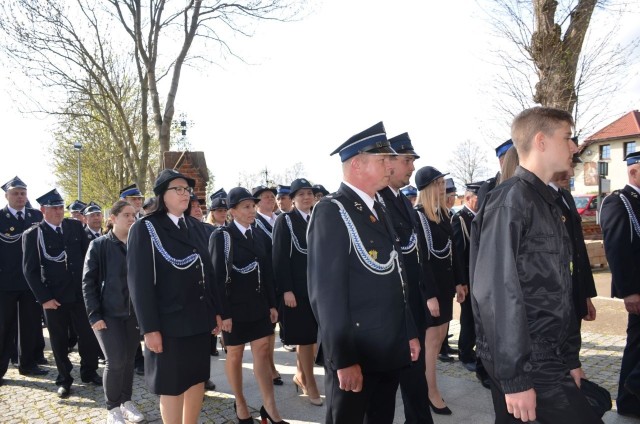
<point>373,254</point>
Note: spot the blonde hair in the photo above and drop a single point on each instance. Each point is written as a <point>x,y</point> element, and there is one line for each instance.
<point>534,120</point>
<point>509,164</point>
<point>433,202</point>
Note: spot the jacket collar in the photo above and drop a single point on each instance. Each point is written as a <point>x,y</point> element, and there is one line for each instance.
<point>357,205</point>
<point>173,231</point>
<point>543,190</point>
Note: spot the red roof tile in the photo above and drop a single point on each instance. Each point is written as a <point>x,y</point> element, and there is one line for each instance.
<point>626,126</point>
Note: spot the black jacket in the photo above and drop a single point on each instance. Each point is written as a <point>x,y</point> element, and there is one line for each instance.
<point>622,241</point>
<point>49,279</point>
<point>521,285</point>
<point>90,234</point>
<point>248,296</point>
<point>104,280</point>
<point>290,254</point>
<point>177,302</point>
<point>354,305</point>
<point>461,226</point>
<point>11,275</point>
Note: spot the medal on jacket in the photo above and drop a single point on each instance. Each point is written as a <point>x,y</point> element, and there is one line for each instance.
<point>373,254</point>
<point>357,206</point>
<point>571,267</point>
<point>11,229</point>
<point>563,218</point>
<point>372,218</point>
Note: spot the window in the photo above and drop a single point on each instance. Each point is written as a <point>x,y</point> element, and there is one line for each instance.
<point>629,147</point>
<point>605,151</point>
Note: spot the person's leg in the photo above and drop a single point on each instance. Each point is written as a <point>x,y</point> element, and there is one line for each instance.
<point>415,394</point>
<point>305,361</point>
<point>58,321</point>
<point>626,401</point>
<point>39,343</point>
<point>382,403</point>
<point>29,327</point>
<point>433,341</point>
<point>132,342</point>
<point>112,340</point>
<point>192,405</point>
<point>233,369</point>
<point>8,314</point>
<point>345,407</point>
<point>171,409</point>
<point>275,375</point>
<point>467,338</point>
<point>262,372</point>
<point>87,343</point>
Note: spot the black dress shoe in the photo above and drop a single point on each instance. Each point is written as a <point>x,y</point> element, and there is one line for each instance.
<point>452,350</point>
<point>440,411</point>
<point>64,392</point>
<point>42,361</point>
<point>209,385</point>
<point>633,388</point>
<point>35,370</point>
<point>289,348</point>
<point>445,357</point>
<point>140,369</point>
<point>1,381</point>
<point>96,379</point>
<point>484,380</point>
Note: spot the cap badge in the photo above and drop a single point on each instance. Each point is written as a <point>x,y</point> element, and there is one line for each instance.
<point>373,254</point>
<point>11,229</point>
<point>357,206</point>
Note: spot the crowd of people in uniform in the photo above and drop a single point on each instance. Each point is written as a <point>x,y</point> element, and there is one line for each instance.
<point>360,281</point>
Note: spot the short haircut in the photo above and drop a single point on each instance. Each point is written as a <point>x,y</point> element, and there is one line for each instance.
<point>531,121</point>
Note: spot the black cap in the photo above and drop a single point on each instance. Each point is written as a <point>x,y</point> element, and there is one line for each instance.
<point>450,185</point>
<point>92,207</point>
<point>371,140</point>
<point>257,191</point>
<point>319,188</point>
<point>130,191</point>
<point>51,198</point>
<point>502,149</point>
<point>474,187</point>
<point>76,206</point>
<point>426,175</point>
<point>283,190</point>
<point>632,158</point>
<point>238,194</point>
<point>402,145</point>
<point>149,203</point>
<point>165,177</point>
<point>15,182</point>
<point>299,184</point>
<point>218,200</point>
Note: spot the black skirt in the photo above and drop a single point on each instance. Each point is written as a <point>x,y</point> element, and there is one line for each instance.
<point>446,312</point>
<point>300,323</point>
<point>245,332</point>
<point>184,362</point>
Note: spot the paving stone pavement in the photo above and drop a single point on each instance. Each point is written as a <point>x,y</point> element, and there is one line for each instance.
<point>33,399</point>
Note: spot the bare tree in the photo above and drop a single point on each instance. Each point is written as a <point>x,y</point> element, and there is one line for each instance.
<point>468,163</point>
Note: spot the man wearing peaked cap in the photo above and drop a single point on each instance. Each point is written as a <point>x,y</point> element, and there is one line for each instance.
<point>361,252</point>
<point>619,218</point>
<point>75,210</point>
<point>132,194</point>
<point>18,307</point>
<point>53,261</point>
<point>283,197</point>
<point>319,192</point>
<point>490,184</point>
<point>413,383</point>
<point>411,193</point>
<point>93,216</point>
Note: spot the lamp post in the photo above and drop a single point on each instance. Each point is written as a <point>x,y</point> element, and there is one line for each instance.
<point>78,147</point>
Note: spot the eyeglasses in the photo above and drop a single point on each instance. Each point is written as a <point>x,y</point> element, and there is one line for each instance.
<point>181,190</point>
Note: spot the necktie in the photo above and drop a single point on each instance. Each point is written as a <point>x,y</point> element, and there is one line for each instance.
<point>378,209</point>
<point>248,235</point>
<point>59,231</point>
<point>20,217</point>
<point>97,234</point>
<point>183,226</point>
<point>308,218</point>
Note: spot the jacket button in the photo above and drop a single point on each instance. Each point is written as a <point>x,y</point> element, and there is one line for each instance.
<point>201,297</point>
<point>195,251</point>
<point>357,324</point>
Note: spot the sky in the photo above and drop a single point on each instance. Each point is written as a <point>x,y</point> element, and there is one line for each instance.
<point>305,87</point>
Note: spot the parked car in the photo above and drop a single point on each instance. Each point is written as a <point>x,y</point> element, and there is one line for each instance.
<point>587,204</point>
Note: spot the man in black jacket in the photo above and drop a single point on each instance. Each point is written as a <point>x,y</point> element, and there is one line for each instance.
<point>54,253</point>
<point>521,282</point>
<point>19,311</point>
<point>619,220</point>
<point>357,288</point>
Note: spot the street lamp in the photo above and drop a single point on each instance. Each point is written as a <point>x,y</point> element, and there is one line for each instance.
<point>78,147</point>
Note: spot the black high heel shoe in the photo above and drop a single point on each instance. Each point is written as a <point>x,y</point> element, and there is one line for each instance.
<point>264,416</point>
<point>242,420</point>
<point>440,411</point>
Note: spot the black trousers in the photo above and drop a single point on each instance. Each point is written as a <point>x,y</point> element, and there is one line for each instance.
<point>58,321</point>
<point>375,404</point>
<point>414,390</point>
<point>630,368</point>
<point>19,320</point>
<point>467,338</point>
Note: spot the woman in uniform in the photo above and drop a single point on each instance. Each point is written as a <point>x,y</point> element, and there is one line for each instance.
<point>444,275</point>
<point>244,277</point>
<point>171,286</point>
<point>217,215</point>
<point>290,271</point>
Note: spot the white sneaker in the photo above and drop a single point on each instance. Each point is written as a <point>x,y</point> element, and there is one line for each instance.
<point>114,416</point>
<point>130,412</point>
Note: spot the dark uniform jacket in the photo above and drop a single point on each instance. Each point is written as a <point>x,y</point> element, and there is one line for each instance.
<point>264,226</point>
<point>91,235</point>
<point>289,263</point>
<point>245,297</point>
<point>406,227</point>
<point>622,241</point>
<point>582,279</point>
<point>521,285</point>
<point>104,280</point>
<point>11,275</point>
<point>461,226</point>
<point>176,302</point>
<point>485,188</point>
<point>441,275</point>
<point>353,305</point>
<point>49,279</point>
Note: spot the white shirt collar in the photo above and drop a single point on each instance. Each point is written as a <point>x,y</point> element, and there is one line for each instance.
<point>240,227</point>
<point>174,218</point>
<point>469,209</point>
<point>15,211</point>
<point>635,188</point>
<point>270,219</point>
<point>553,186</point>
<point>53,227</point>
<point>368,200</point>
<point>304,214</point>
<point>394,191</point>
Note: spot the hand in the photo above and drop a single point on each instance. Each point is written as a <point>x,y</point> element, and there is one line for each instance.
<point>350,378</point>
<point>153,341</point>
<point>522,405</point>
<point>461,293</point>
<point>414,348</point>
<point>51,304</point>
<point>591,311</point>
<point>290,299</point>
<point>218,326</point>
<point>99,325</point>
<point>227,325</point>
<point>434,307</point>
<point>577,374</point>
<point>274,315</point>
<point>632,304</point>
